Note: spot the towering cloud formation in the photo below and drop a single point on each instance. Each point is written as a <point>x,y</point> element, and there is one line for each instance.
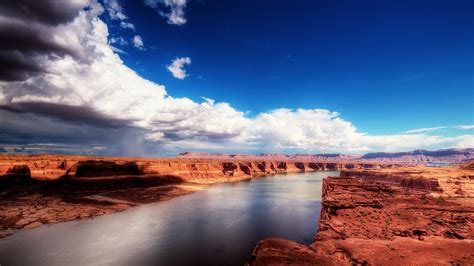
<point>62,83</point>
<point>30,34</point>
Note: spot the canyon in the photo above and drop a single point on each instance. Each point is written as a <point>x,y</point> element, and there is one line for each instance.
<point>400,216</point>
<point>375,212</point>
<point>45,189</point>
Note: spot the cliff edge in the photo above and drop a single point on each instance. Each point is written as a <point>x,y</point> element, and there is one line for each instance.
<point>403,216</point>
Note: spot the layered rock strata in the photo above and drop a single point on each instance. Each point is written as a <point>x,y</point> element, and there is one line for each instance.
<point>404,216</point>
<point>35,190</point>
<point>51,167</point>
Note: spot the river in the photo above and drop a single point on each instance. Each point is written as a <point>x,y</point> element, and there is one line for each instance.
<point>217,226</point>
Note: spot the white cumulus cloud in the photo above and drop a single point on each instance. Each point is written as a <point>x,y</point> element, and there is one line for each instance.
<point>177,67</point>
<point>138,42</point>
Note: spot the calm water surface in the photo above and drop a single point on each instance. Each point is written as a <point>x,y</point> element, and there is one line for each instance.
<point>438,164</point>
<point>217,226</point>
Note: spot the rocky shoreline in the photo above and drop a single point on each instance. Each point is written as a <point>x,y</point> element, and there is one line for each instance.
<point>403,216</point>
<point>45,189</point>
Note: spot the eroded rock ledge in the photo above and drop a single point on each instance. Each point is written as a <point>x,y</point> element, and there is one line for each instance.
<point>40,189</point>
<point>403,216</point>
<point>51,167</point>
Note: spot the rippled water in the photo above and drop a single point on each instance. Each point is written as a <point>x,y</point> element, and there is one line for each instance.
<point>217,226</point>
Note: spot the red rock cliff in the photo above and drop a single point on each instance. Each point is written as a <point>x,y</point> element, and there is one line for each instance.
<point>405,216</point>
<point>49,167</point>
<point>48,188</point>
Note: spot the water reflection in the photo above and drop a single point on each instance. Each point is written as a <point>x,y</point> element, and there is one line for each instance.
<point>218,226</point>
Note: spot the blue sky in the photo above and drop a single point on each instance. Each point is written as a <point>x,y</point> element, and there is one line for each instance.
<point>387,66</point>
<point>159,77</point>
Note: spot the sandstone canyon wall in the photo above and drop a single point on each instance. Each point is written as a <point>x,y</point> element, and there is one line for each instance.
<point>403,216</point>
<point>41,189</point>
<point>51,167</point>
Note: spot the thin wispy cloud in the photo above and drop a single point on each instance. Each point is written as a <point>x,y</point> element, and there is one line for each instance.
<point>465,127</point>
<point>118,40</point>
<point>115,10</point>
<point>422,130</point>
<point>127,25</point>
<point>117,50</point>
<point>431,129</point>
<point>173,10</point>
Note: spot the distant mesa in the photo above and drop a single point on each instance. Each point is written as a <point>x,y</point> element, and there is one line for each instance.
<point>450,156</point>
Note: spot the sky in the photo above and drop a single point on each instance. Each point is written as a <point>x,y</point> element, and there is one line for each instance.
<point>159,77</point>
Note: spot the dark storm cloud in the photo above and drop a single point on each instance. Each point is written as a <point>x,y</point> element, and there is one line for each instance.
<point>27,30</point>
<point>14,65</point>
<point>30,39</point>
<point>68,113</point>
<point>27,128</point>
<point>33,133</point>
<point>176,134</point>
<point>52,12</point>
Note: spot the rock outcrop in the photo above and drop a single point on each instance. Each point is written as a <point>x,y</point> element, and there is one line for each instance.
<point>404,216</point>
